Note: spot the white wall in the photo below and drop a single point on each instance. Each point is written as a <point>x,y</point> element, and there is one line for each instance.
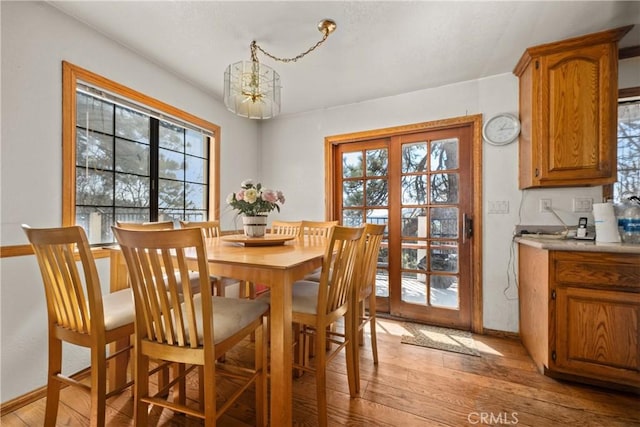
<point>35,40</point>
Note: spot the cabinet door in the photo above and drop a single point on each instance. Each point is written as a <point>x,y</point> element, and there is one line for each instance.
<point>578,115</point>
<point>598,334</point>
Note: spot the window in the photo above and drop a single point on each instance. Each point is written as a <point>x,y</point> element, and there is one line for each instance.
<point>628,183</point>
<point>128,157</point>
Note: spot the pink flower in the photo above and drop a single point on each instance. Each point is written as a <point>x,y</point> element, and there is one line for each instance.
<point>270,196</point>
<point>280,197</point>
<point>240,195</point>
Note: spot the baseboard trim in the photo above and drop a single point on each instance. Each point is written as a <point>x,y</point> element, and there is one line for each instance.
<point>35,395</point>
<point>502,334</point>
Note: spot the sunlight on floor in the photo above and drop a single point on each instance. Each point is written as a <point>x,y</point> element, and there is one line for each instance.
<point>395,328</point>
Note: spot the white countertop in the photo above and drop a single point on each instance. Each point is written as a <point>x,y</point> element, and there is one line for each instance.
<point>578,245</point>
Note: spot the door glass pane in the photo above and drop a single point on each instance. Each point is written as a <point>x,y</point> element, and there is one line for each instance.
<point>414,190</point>
<point>409,254</point>
<point>413,289</point>
<point>132,125</point>
<point>444,188</point>
<point>352,164</point>
<point>382,283</point>
<point>444,291</point>
<point>414,157</point>
<point>377,162</point>
<point>443,257</point>
<point>132,157</point>
<point>414,222</point>
<point>351,217</point>
<point>444,223</point>
<point>444,154</point>
<point>377,216</point>
<point>377,192</point>
<point>353,193</point>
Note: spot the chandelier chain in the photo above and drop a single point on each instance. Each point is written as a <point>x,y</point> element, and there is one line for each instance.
<point>255,46</point>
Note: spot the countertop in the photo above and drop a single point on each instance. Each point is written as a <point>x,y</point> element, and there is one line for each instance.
<point>578,245</point>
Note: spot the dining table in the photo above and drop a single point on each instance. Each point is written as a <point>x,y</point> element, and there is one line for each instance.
<point>277,263</point>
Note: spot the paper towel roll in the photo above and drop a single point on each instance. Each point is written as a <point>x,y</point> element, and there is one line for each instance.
<point>606,223</point>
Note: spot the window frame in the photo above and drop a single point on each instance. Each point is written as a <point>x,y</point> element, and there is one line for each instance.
<point>631,92</point>
<point>71,74</point>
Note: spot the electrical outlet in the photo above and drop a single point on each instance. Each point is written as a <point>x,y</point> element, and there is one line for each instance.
<point>582,204</point>
<point>545,204</point>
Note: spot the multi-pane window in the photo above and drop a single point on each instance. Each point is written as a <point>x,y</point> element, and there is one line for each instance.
<point>628,183</point>
<point>133,166</point>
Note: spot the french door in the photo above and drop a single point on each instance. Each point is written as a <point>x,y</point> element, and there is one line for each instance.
<point>420,185</point>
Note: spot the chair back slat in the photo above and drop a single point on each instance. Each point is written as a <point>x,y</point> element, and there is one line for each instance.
<point>286,228</point>
<point>368,262</point>
<point>317,229</point>
<point>209,228</point>
<point>338,268</point>
<point>159,263</point>
<point>66,288</point>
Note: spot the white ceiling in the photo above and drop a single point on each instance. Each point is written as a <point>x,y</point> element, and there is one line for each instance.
<point>379,48</point>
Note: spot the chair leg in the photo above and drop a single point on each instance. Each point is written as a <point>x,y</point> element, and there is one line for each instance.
<point>352,354</point>
<point>356,343</point>
<point>261,380</point>
<point>141,389</point>
<point>321,378</point>
<point>372,326</point>
<point>53,385</point>
<point>98,386</point>
<point>210,392</point>
<point>180,391</point>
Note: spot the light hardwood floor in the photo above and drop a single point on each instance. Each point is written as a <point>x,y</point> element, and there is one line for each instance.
<point>412,386</point>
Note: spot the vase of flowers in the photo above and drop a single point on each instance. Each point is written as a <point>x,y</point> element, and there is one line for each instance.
<point>254,202</point>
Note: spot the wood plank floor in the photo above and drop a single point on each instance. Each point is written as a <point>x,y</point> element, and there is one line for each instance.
<point>411,386</point>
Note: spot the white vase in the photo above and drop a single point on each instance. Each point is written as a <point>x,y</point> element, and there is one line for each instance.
<point>254,226</point>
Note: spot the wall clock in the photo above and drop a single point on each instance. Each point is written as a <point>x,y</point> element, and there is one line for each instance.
<point>501,129</point>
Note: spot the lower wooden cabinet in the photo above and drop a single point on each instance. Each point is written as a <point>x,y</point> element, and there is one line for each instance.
<point>580,314</point>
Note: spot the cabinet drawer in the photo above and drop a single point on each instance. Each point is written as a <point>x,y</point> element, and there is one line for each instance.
<point>598,269</point>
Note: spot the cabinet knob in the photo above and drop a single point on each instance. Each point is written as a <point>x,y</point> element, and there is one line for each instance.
<point>537,172</point>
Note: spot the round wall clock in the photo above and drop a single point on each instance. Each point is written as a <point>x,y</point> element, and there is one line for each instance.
<point>501,129</point>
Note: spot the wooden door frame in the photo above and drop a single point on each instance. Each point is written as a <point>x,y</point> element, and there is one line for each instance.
<point>332,142</point>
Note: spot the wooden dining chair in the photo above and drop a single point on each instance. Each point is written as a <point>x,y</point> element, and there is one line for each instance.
<point>79,314</point>
<point>193,332</point>
<point>364,292</point>
<point>317,305</point>
<point>212,229</point>
<point>286,228</point>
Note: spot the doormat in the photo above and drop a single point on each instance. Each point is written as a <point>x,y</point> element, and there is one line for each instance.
<point>440,338</point>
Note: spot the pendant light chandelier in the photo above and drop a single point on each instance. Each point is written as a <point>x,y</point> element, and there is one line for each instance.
<point>252,89</point>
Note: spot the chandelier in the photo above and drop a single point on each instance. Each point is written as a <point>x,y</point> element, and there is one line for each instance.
<point>252,89</point>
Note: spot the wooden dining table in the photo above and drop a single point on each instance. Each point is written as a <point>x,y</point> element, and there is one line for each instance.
<point>277,267</point>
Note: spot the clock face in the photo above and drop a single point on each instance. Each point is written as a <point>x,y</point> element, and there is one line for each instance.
<point>501,129</point>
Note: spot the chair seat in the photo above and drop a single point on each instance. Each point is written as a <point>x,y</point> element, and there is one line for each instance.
<point>314,276</point>
<point>230,315</point>
<point>304,297</point>
<point>118,309</point>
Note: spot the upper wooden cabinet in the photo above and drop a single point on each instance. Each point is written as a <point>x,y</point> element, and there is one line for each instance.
<point>568,111</point>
